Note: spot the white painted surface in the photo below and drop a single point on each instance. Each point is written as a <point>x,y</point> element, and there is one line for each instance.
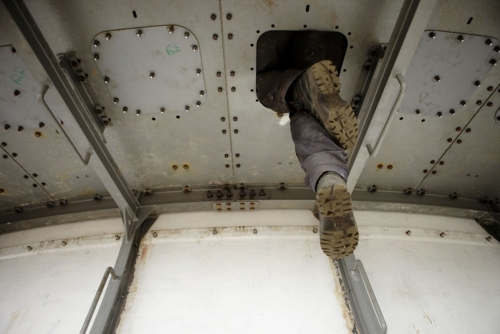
<point>192,281</point>
<point>50,289</point>
<point>189,280</point>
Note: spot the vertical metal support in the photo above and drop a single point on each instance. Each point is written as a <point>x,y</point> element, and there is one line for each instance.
<point>102,160</point>
<point>405,37</point>
<point>116,293</point>
<point>364,304</point>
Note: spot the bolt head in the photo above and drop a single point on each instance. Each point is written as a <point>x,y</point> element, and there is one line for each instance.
<point>479,102</point>
<point>138,112</point>
<point>488,42</point>
<point>107,36</point>
<point>233,89</point>
<point>229,16</point>
<point>440,114</point>
<point>255,231</point>
<point>493,62</point>
<point>96,56</point>
<point>96,43</point>
<point>460,38</point>
<point>186,108</point>
<point>194,47</point>
<point>462,103</point>
<point>125,109</point>
<point>138,33</point>
<point>417,112</point>
<point>452,111</point>
<point>162,110</point>
<point>432,35</point>
<point>497,49</point>
<point>186,35</point>
<point>232,73</point>
<point>171,30</point>
<point>106,79</point>
<point>17,93</point>
<point>215,37</point>
<point>224,132</point>
<point>238,165</point>
<point>437,78</point>
<point>202,92</point>
<point>230,36</point>
<point>477,83</point>
<point>220,89</point>
<point>198,103</point>
<point>198,71</point>
<point>227,166</point>
<point>489,104</point>
<point>237,155</point>
<point>213,17</point>
<point>116,100</point>
<point>459,141</point>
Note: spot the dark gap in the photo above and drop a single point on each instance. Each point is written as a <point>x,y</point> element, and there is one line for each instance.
<point>351,47</point>
<point>305,25</point>
<point>134,13</point>
<point>251,45</point>
<point>401,118</point>
<point>307,8</point>
<point>344,70</point>
<point>251,68</point>
<point>349,33</point>
<point>177,116</point>
<point>272,25</point>
<point>336,27</point>
<point>258,31</point>
<point>423,120</point>
<point>154,119</point>
<point>470,20</point>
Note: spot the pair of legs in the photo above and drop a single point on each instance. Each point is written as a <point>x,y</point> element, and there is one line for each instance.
<point>297,74</point>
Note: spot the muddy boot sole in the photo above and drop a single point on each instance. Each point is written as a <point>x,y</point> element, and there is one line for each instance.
<point>339,234</point>
<point>335,114</point>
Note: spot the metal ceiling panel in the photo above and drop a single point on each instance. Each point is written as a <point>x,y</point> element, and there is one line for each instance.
<point>262,145</point>
<point>471,166</point>
<point>446,70</point>
<point>152,70</point>
<point>16,186</point>
<point>415,143</point>
<point>32,140</point>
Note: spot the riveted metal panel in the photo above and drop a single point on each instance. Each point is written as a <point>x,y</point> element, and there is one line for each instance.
<point>32,140</point>
<point>151,70</point>
<point>415,142</point>
<point>177,148</point>
<point>263,140</point>
<point>445,71</point>
<point>471,165</point>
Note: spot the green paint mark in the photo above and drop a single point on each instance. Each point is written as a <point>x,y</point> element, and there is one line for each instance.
<point>172,49</point>
<point>18,76</point>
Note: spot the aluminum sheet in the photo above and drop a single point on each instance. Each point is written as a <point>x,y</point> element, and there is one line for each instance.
<point>446,70</point>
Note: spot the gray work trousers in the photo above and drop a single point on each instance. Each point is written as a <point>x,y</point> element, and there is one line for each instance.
<point>282,57</point>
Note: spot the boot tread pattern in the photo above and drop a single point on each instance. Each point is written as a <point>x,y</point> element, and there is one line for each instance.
<point>334,203</point>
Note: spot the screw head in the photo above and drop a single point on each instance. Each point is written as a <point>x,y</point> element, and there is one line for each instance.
<point>151,75</point>
<point>198,103</point>
<point>493,62</point>
<point>186,35</point>
<point>477,83</point>
<point>171,30</point>
<point>490,88</point>
<point>229,16</point>
<point>488,238</point>
<point>434,172</point>
<point>96,56</point>
<point>425,171</point>
<point>96,43</point>
<point>213,17</point>
<point>20,128</point>
<point>459,141</point>
<point>106,79</point>
<point>433,162</point>
<point>255,231</point>
<point>4,144</point>
<point>229,36</point>
<point>220,89</point>
<point>17,93</point>
<point>437,78</point>
<point>441,163</point>
<point>107,36</point>
<point>38,134</point>
<point>238,165</point>
<point>41,125</point>
<point>237,155</point>
<point>488,42</point>
<point>460,38</point>
<point>198,71</point>
<point>235,119</point>
<point>236,131</point>
<point>458,129</point>
<point>6,127</point>
<point>479,102</point>
<point>185,166</point>
<point>138,112</point>
<point>215,37</point>
<point>218,74</point>
<point>497,49</point>
<point>202,92</point>
<point>315,230</point>
<point>125,109</point>
<point>452,111</point>
<point>417,112</point>
<point>223,119</point>
<point>227,166</point>
<point>29,248</point>
<point>194,47</point>
<point>232,73</point>
<point>463,103</point>
<point>489,104</point>
<point>117,237</point>
<point>432,35</point>
<point>155,234</point>
<point>64,242</point>
<point>224,132</point>
<point>233,89</point>
<point>408,232</point>
<point>138,33</point>
<point>468,130</point>
<point>442,234</point>
<point>440,114</point>
<point>186,108</point>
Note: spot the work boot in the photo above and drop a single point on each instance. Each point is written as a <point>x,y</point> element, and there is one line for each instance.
<point>338,231</point>
<point>317,91</point>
